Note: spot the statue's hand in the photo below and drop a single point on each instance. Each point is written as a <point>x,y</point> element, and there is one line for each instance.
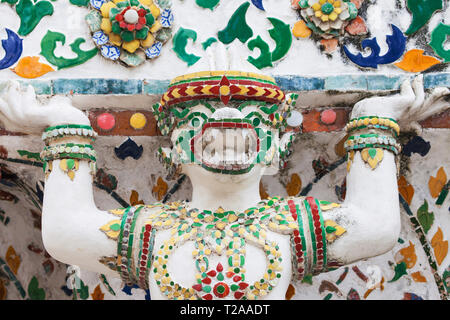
<point>21,112</point>
<point>408,107</point>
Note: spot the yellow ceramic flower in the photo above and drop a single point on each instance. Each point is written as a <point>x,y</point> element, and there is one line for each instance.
<point>327,10</point>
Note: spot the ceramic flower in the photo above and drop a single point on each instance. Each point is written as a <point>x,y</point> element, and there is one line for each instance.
<point>327,18</point>
<point>130,30</point>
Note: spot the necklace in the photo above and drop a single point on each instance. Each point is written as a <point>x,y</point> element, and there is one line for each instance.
<point>221,232</point>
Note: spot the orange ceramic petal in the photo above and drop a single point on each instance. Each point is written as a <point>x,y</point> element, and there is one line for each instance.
<point>293,188</point>
<point>290,292</point>
<point>134,198</point>
<point>405,189</point>
<point>97,294</point>
<point>329,45</point>
<point>415,61</point>
<point>408,256</point>
<point>435,184</point>
<point>13,259</point>
<point>30,68</point>
<point>418,277</point>
<point>300,30</point>
<point>262,191</point>
<point>440,247</point>
<point>160,189</point>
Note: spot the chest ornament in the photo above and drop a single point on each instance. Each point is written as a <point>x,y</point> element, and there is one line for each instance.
<point>220,233</point>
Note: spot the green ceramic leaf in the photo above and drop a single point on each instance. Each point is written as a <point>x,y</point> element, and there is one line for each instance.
<point>438,37</point>
<point>372,152</point>
<point>265,58</point>
<point>180,115</point>
<point>207,4</point>
<point>421,10</point>
<point>281,34</point>
<point>208,42</point>
<point>425,218</point>
<point>180,40</point>
<point>115,227</point>
<point>237,27</point>
<point>307,279</point>
<point>269,110</point>
<point>330,229</point>
<point>80,3</point>
<point>400,270</point>
<point>31,14</point>
<point>48,46</point>
<point>70,164</point>
<point>10,1</point>
<point>34,292</point>
<point>82,292</point>
<point>30,155</point>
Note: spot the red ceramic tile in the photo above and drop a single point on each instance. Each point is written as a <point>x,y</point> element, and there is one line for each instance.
<point>357,27</point>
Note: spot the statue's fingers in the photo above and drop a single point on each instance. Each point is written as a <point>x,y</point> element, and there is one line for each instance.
<point>435,108</point>
<point>417,86</point>
<point>419,92</point>
<point>30,94</point>
<point>406,89</point>
<point>405,99</point>
<point>437,94</point>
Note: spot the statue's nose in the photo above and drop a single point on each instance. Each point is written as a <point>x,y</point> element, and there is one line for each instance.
<point>227,113</point>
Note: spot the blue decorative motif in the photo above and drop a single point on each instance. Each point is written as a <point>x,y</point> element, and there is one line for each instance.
<point>13,49</point>
<point>154,51</point>
<point>97,4</point>
<point>396,43</point>
<point>166,18</point>
<point>416,145</point>
<point>100,38</point>
<point>127,289</point>
<point>129,149</point>
<point>110,52</point>
<point>147,295</point>
<point>258,4</point>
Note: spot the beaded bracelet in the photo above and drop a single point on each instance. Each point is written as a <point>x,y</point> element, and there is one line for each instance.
<point>373,122</point>
<point>125,261</point>
<point>370,145</point>
<point>69,150</point>
<point>60,131</point>
<point>365,139</point>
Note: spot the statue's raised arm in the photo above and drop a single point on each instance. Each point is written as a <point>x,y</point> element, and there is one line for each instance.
<point>368,222</point>
<point>228,129</point>
<point>70,218</point>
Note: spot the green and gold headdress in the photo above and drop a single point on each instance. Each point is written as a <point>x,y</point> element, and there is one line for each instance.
<point>224,86</point>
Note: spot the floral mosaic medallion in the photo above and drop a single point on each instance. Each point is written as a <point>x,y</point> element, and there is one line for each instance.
<point>327,18</point>
<point>130,31</point>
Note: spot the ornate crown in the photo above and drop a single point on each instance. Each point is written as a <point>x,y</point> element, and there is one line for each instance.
<point>222,86</point>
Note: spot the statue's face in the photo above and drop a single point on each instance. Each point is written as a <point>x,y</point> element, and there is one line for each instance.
<point>231,140</point>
